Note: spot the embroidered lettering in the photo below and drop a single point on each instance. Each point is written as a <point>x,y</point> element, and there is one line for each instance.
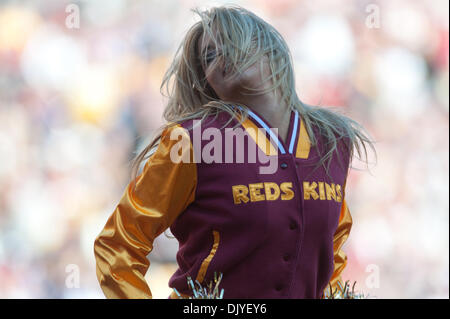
<point>272,191</point>
<point>255,195</point>
<point>240,194</point>
<point>286,188</point>
<point>331,191</point>
<point>310,190</point>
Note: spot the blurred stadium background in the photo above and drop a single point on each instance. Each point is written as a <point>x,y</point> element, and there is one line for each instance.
<point>76,103</point>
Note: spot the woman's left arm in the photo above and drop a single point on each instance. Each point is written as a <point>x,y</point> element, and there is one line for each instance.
<point>340,236</point>
<point>343,229</point>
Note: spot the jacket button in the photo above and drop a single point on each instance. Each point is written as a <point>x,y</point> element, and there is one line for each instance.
<point>286,257</point>
<point>278,287</point>
<point>283,165</point>
<point>292,226</point>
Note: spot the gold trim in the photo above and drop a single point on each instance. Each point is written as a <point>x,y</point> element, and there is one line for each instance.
<point>260,139</point>
<point>207,260</point>
<point>303,144</point>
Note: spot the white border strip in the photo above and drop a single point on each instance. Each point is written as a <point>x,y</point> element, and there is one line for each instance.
<point>294,133</point>
<point>272,135</point>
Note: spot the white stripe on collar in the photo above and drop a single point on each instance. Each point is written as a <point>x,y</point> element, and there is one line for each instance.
<point>268,130</point>
<point>294,133</point>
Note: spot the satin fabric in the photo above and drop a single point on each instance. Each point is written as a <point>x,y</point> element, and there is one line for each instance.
<point>163,191</point>
<point>340,257</point>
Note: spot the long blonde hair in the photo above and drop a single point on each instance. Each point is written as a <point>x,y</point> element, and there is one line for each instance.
<point>243,38</point>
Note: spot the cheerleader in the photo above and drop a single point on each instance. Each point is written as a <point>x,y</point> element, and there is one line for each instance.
<point>272,234</point>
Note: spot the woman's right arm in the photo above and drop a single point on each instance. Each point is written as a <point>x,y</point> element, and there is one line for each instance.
<point>163,190</point>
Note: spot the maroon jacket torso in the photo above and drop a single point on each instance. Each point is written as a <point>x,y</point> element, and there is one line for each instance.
<point>275,245</point>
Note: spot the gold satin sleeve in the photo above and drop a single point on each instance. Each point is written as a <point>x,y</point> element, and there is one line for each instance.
<point>163,190</point>
<point>340,236</point>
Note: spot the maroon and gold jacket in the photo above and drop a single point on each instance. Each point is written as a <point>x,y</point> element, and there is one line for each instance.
<point>271,235</point>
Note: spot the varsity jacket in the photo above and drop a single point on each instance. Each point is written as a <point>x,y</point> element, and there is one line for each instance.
<point>277,235</point>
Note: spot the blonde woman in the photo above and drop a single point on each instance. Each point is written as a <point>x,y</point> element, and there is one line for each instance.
<point>273,234</point>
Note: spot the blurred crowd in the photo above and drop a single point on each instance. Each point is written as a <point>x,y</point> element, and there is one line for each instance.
<point>78,100</point>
